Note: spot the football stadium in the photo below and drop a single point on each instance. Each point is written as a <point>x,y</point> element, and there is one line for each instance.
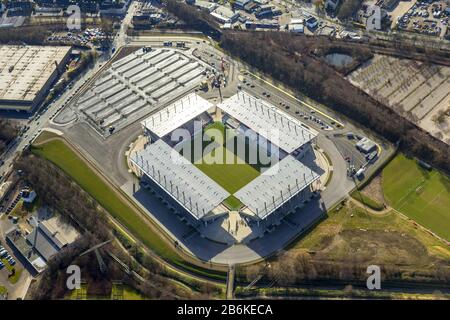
<point>241,156</point>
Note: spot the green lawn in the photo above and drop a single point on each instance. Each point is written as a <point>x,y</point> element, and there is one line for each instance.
<point>18,271</point>
<point>128,293</point>
<point>45,135</point>
<point>368,201</point>
<point>420,194</point>
<point>231,172</point>
<point>62,156</point>
<point>231,177</point>
<point>382,239</point>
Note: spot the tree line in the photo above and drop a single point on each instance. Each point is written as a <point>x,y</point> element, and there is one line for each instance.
<point>348,9</point>
<point>61,195</point>
<point>193,17</point>
<point>300,267</point>
<point>8,132</point>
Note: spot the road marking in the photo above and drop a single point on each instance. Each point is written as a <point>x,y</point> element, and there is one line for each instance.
<point>302,102</point>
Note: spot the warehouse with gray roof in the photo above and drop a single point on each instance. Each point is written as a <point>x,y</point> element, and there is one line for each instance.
<point>27,73</point>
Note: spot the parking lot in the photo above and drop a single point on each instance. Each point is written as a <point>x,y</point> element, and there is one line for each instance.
<point>13,276</point>
<point>429,18</point>
<point>88,37</point>
<point>137,85</point>
<point>418,91</point>
<point>307,115</point>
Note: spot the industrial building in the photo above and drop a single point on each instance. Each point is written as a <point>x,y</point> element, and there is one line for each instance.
<point>47,238</point>
<point>137,85</point>
<point>196,198</point>
<point>27,73</point>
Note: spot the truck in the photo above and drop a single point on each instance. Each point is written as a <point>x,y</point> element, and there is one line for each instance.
<point>204,85</point>
<point>360,173</point>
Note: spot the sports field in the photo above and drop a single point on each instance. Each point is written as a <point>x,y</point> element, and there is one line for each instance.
<point>420,194</point>
<point>231,177</point>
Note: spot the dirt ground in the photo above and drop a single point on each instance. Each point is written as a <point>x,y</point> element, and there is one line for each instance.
<point>374,189</point>
<point>352,235</point>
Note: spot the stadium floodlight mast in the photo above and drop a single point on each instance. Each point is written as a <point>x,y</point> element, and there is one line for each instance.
<point>96,248</point>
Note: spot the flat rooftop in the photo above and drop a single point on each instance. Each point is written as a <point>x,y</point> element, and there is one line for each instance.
<point>183,181</point>
<point>24,70</point>
<point>268,121</point>
<point>176,114</point>
<point>275,186</point>
<point>62,234</point>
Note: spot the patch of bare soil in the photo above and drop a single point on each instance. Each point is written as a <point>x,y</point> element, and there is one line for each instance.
<point>374,189</point>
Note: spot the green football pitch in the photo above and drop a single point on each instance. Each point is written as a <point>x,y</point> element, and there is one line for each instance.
<point>232,174</point>
<point>420,194</point>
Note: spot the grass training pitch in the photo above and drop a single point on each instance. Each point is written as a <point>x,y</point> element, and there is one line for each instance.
<point>422,195</point>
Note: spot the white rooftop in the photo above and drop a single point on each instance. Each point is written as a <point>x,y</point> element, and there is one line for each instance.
<point>268,121</point>
<point>24,70</point>
<point>275,186</point>
<point>176,114</point>
<point>185,183</point>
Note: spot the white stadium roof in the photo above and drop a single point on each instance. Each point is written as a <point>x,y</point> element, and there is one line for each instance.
<point>275,186</point>
<point>264,118</point>
<point>176,114</point>
<point>189,186</point>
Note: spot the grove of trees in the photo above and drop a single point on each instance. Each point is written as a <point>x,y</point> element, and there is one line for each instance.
<point>8,131</point>
<point>348,9</point>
